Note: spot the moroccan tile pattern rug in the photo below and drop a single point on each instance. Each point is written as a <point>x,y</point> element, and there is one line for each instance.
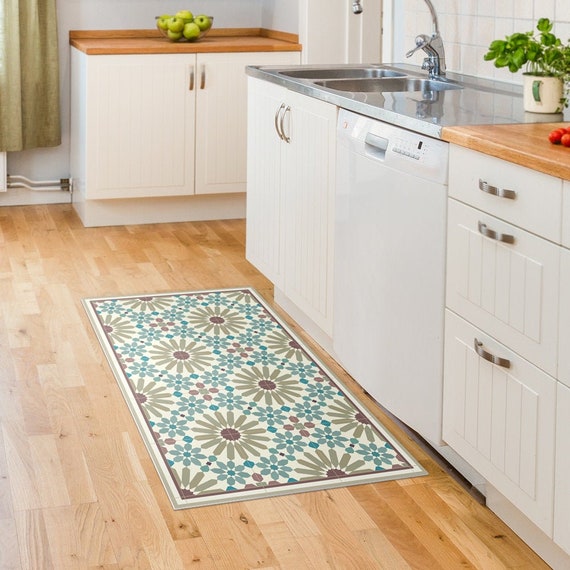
<point>231,405</point>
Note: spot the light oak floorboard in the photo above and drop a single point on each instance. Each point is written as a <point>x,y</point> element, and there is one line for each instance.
<point>77,487</point>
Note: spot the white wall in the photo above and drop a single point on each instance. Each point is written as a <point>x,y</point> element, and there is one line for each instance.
<point>331,33</point>
<point>53,163</point>
<point>281,15</point>
<point>469,26</point>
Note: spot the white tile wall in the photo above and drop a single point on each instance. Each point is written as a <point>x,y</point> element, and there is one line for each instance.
<point>469,26</point>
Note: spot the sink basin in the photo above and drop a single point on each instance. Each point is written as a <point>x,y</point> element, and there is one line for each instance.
<point>388,84</point>
<point>342,73</point>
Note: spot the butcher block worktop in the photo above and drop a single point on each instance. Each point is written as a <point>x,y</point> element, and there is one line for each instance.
<point>128,42</point>
<point>524,144</point>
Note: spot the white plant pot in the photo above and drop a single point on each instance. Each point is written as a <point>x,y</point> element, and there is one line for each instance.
<point>542,94</point>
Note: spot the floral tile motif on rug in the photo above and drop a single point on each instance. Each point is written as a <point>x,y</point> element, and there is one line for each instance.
<point>230,403</point>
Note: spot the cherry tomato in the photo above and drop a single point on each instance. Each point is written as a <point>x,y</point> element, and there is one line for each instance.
<point>556,135</point>
<point>565,139</point>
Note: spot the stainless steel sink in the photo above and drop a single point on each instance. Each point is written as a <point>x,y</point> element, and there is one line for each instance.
<point>387,84</point>
<point>342,73</point>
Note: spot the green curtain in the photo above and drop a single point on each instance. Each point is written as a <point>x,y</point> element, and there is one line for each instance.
<point>29,75</point>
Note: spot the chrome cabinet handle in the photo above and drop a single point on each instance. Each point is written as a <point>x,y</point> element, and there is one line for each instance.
<point>492,234</point>
<point>191,82</point>
<point>203,77</point>
<point>276,121</point>
<point>286,138</point>
<point>493,190</point>
<point>499,361</point>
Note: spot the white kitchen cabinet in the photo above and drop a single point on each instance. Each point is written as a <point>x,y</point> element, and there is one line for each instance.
<point>264,187</point>
<point>501,419</point>
<point>508,299</point>
<point>290,210</point>
<point>221,118</point>
<point>505,281</point>
<point>155,125</point>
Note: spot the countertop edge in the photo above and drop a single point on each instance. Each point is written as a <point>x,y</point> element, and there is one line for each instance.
<point>523,144</point>
<point>131,42</point>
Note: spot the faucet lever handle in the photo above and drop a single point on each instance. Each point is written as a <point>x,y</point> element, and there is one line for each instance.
<point>421,42</point>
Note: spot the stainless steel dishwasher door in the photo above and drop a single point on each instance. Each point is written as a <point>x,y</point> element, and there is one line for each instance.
<point>390,228</point>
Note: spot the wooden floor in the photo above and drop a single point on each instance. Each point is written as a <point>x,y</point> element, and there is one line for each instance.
<point>77,488</point>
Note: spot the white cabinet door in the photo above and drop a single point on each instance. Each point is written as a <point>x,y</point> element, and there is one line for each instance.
<point>309,178</point>
<point>501,420</point>
<point>290,207</point>
<point>562,480</point>
<point>509,290</point>
<point>264,185</point>
<point>139,126</point>
<point>221,120</point>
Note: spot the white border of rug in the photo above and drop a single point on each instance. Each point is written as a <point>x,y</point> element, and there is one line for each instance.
<point>249,494</point>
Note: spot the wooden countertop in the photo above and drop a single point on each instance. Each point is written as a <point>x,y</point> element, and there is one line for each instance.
<point>525,144</point>
<point>128,42</point>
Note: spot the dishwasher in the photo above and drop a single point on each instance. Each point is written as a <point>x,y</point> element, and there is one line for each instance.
<point>389,267</point>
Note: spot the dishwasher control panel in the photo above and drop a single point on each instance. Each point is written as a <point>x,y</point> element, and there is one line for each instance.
<point>398,148</point>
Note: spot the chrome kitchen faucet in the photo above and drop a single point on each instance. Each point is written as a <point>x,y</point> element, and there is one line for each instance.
<point>434,63</point>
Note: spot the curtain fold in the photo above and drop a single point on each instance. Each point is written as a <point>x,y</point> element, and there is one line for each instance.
<point>29,75</point>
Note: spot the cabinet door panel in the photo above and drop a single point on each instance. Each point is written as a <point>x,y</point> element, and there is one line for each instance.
<point>264,184</point>
<point>501,420</point>
<point>508,290</point>
<point>221,120</point>
<point>309,207</point>
<point>139,118</point>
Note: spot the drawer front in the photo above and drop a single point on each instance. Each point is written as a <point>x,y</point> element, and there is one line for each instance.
<point>509,290</point>
<point>537,201</point>
<point>501,420</point>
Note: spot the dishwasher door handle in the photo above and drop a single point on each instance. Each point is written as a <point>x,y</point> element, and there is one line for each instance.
<point>375,146</point>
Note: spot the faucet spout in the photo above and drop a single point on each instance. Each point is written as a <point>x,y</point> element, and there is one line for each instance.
<point>433,17</point>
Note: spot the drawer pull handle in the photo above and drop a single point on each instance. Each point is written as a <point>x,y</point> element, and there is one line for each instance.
<point>504,362</point>
<point>500,192</point>
<point>492,234</point>
<point>191,81</point>
<point>203,77</point>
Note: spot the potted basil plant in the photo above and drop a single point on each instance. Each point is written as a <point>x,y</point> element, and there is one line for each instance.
<point>545,61</point>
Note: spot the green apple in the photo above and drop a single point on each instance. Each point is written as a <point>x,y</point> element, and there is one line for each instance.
<point>191,31</point>
<point>175,24</point>
<point>203,22</point>
<point>174,36</point>
<point>162,21</point>
<point>186,15</point>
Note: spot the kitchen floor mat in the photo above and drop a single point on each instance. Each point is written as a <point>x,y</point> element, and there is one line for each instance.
<point>231,404</point>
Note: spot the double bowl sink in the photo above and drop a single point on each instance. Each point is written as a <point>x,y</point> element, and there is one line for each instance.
<point>369,79</point>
